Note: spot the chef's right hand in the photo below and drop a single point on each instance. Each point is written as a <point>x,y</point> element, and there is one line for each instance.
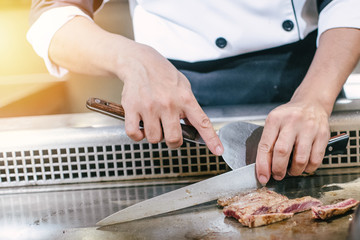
<point>159,95</point>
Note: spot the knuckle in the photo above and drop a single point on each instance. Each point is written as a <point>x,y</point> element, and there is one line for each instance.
<point>264,147</point>
<point>166,103</point>
<point>148,106</point>
<point>282,149</point>
<point>187,97</point>
<point>272,118</point>
<point>324,133</point>
<point>294,116</point>
<point>205,122</point>
<point>301,160</point>
<point>311,124</point>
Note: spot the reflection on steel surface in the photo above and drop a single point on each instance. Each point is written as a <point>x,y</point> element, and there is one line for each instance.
<point>72,208</point>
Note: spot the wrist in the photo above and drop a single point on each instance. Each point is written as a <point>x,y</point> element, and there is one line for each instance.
<point>128,58</point>
<point>322,98</point>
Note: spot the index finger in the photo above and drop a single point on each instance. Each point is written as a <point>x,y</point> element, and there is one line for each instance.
<point>202,123</point>
<point>265,151</point>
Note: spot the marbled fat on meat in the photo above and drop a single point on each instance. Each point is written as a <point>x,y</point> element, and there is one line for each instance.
<point>296,205</point>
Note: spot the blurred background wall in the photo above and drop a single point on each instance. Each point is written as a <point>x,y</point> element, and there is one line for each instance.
<point>26,88</point>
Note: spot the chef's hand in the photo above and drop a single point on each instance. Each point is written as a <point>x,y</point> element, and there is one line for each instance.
<point>298,126</point>
<point>154,90</point>
<point>302,125</point>
<point>159,95</point>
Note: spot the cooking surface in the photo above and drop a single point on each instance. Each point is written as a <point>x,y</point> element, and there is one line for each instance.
<point>71,212</point>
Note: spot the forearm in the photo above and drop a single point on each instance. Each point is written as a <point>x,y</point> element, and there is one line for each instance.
<point>337,55</point>
<point>154,91</point>
<point>83,47</point>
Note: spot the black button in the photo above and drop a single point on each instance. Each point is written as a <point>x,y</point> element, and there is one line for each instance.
<point>288,25</point>
<point>221,42</point>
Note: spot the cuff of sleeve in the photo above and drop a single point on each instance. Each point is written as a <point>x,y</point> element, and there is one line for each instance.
<point>339,14</point>
<point>42,31</point>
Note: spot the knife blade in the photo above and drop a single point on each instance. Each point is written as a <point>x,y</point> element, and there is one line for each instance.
<point>238,180</point>
<point>241,139</point>
<point>241,179</point>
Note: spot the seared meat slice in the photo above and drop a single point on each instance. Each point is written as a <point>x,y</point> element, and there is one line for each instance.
<point>248,197</point>
<point>328,211</point>
<point>263,219</point>
<point>239,209</point>
<point>263,207</point>
<point>295,205</point>
<point>253,209</point>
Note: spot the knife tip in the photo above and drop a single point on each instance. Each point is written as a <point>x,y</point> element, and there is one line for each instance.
<point>101,223</point>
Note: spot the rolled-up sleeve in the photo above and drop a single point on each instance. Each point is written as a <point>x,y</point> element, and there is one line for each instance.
<point>47,17</point>
<point>339,14</point>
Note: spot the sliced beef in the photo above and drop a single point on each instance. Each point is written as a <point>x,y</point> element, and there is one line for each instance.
<point>249,197</point>
<point>263,219</point>
<point>328,211</point>
<point>263,207</point>
<point>252,209</point>
<point>237,210</point>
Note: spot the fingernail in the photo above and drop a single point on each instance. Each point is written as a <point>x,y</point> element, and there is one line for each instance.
<point>219,150</point>
<point>263,180</point>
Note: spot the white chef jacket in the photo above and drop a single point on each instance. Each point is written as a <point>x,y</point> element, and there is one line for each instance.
<point>201,30</point>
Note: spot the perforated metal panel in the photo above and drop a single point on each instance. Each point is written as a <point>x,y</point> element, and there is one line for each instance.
<point>95,153</point>
<point>75,155</point>
<point>346,122</point>
<point>108,162</point>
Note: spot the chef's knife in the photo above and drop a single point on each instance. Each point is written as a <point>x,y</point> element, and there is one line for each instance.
<point>226,184</point>
<point>236,137</point>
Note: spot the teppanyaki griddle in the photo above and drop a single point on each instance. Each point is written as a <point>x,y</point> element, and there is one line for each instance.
<point>67,214</point>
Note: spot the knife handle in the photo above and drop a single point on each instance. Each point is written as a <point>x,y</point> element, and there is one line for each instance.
<point>337,144</point>
<point>115,110</point>
<point>106,107</point>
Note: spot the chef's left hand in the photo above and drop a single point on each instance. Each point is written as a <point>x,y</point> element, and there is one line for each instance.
<point>299,126</point>
<point>302,125</point>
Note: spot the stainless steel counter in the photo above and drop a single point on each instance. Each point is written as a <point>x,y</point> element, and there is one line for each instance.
<point>71,211</point>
